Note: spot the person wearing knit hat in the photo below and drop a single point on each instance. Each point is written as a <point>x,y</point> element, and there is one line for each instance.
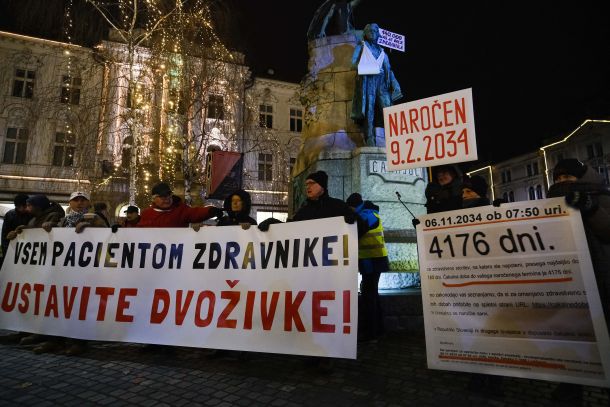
<point>444,192</point>
<point>583,188</point>
<point>372,261</point>
<point>44,213</point>
<point>568,169</point>
<point>18,216</point>
<point>474,192</point>
<point>320,178</point>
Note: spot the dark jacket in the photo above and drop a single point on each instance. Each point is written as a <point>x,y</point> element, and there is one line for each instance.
<point>235,218</point>
<point>597,228</point>
<point>53,214</point>
<point>323,207</point>
<point>176,216</point>
<point>444,198</point>
<point>12,219</point>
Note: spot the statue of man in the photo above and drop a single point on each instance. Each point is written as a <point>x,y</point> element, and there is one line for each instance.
<point>333,17</point>
<point>376,86</point>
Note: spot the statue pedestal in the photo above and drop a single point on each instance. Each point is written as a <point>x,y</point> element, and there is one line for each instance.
<point>364,170</point>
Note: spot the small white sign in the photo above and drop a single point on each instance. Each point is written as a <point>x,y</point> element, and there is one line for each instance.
<point>391,40</point>
<point>432,131</point>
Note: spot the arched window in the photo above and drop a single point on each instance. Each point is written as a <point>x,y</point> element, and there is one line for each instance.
<point>531,193</point>
<point>539,192</point>
<point>511,196</point>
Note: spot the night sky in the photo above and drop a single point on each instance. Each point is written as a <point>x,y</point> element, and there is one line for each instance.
<point>537,69</point>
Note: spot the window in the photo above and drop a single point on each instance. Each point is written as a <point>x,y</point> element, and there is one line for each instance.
<point>63,151</point>
<point>511,196</point>
<point>70,90</point>
<point>532,169</point>
<point>505,176</point>
<point>292,162</point>
<point>595,150</point>
<point>216,107</point>
<point>265,116</point>
<point>539,192</point>
<point>505,196</point>
<point>23,83</point>
<point>265,167</point>
<point>296,120</point>
<point>531,193</point>
<point>15,146</point>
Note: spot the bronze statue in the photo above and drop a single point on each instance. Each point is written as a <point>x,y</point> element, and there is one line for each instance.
<point>332,18</point>
<point>376,87</point>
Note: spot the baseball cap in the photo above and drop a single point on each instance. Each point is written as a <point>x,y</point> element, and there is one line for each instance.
<point>131,209</point>
<point>79,194</point>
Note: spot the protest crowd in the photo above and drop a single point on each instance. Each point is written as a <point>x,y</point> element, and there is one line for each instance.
<point>448,190</point>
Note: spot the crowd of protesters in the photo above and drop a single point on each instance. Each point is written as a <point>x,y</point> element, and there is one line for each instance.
<point>447,190</point>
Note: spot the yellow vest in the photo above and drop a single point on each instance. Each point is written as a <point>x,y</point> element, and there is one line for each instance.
<point>372,243</point>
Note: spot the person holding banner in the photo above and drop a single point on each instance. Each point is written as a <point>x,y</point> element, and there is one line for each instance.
<point>474,192</point>
<point>376,87</point>
<point>372,261</point>
<point>44,213</point>
<point>168,211</point>
<point>237,205</point>
<point>19,216</point>
<point>444,192</point>
<point>583,189</point>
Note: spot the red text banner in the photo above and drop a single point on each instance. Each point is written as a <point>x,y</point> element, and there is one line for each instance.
<point>430,132</point>
<point>510,290</point>
<point>290,290</point>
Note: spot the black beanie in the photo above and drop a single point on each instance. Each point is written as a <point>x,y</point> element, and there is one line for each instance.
<point>39,201</point>
<point>569,166</point>
<point>320,177</point>
<point>477,184</point>
<point>354,200</point>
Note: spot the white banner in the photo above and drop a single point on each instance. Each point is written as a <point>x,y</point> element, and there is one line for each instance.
<point>510,290</point>
<point>391,40</point>
<point>290,290</point>
<point>429,132</point>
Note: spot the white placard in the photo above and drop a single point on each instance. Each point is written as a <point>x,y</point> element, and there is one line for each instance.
<point>432,131</point>
<point>510,291</point>
<point>391,40</point>
<point>290,290</point>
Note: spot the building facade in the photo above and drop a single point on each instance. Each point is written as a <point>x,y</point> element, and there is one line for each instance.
<point>529,176</point>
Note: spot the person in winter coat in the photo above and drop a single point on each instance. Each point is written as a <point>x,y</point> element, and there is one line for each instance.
<point>132,217</point>
<point>372,261</point>
<point>19,216</point>
<point>237,205</point>
<point>474,192</point>
<point>168,210</point>
<point>44,212</point>
<point>444,192</point>
<point>319,204</point>
<point>583,189</point>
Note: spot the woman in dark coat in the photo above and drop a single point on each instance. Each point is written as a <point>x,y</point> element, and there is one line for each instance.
<point>237,205</point>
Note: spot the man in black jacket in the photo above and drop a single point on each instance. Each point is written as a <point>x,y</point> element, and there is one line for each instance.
<point>13,218</point>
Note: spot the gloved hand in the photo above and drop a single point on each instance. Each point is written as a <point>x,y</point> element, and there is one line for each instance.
<point>80,226</point>
<point>196,226</point>
<point>115,227</point>
<point>586,202</point>
<point>264,225</point>
<point>351,219</point>
<point>415,222</point>
<point>217,212</point>
<point>498,202</point>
